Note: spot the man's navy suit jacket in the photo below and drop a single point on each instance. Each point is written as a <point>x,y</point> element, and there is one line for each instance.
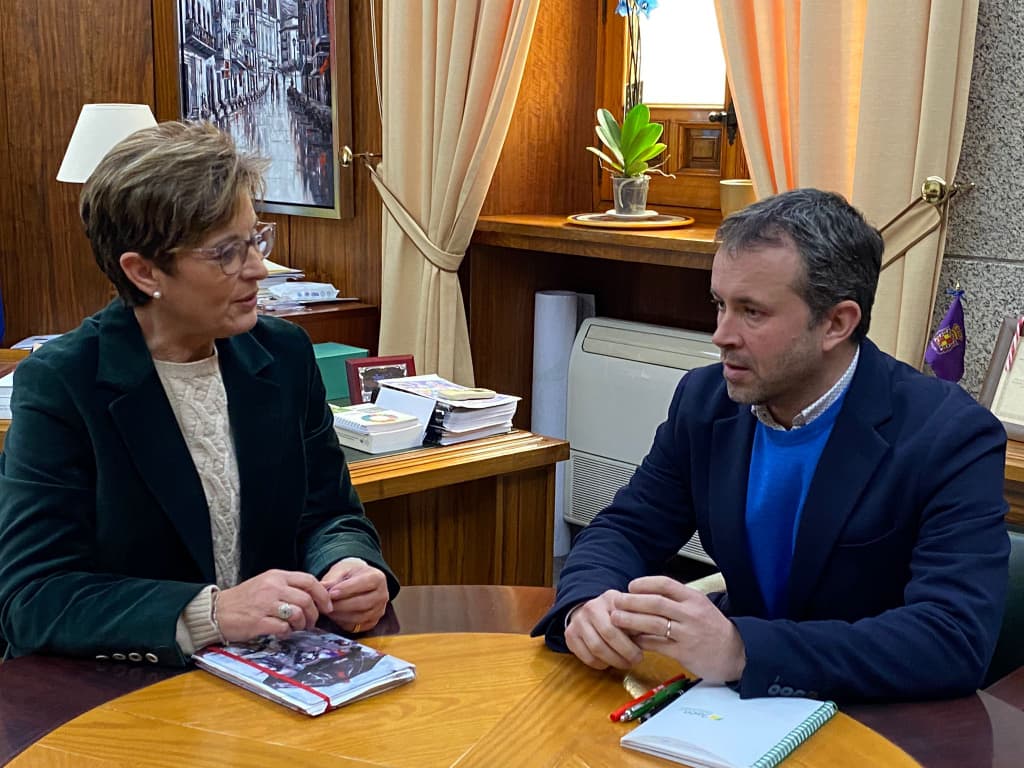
<point>899,572</point>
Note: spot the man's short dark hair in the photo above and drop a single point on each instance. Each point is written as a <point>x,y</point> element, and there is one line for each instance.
<point>840,251</point>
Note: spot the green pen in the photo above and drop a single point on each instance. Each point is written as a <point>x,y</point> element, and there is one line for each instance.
<point>666,694</point>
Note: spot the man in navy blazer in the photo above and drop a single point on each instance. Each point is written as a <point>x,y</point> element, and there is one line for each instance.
<point>853,504</point>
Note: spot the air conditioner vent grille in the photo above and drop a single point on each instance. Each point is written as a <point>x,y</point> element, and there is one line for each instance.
<point>595,483</point>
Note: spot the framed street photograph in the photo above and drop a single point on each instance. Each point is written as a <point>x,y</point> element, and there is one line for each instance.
<point>366,373</point>
<point>264,71</point>
<point>1003,389</point>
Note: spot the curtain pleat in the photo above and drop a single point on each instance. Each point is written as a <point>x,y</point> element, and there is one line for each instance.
<point>451,74</point>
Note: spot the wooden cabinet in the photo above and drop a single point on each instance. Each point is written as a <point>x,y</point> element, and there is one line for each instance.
<point>654,276</point>
<point>480,512</point>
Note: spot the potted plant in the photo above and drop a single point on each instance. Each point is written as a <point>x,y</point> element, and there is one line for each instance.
<point>632,147</point>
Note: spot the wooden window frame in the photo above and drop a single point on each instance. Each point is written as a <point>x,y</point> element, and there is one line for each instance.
<point>699,153</point>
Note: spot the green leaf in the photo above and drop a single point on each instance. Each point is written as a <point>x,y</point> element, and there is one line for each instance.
<point>606,120</point>
<point>638,117</point>
<point>646,137</point>
<point>602,134</point>
<point>653,132</point>
<point>607,160</point>
<point>652,152</point>
<point>636,168</point>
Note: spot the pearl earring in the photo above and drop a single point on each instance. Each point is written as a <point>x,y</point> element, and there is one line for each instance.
<point>157,294</point>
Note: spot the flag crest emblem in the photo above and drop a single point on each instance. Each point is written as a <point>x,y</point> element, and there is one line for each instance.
<point>947,339</point>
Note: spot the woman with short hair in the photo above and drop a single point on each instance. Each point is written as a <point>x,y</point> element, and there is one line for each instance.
<point>171,477</point>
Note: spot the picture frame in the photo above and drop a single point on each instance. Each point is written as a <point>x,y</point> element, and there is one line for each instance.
<point>365,374</point>
<point>267,73</point>
<point>1002,390</point>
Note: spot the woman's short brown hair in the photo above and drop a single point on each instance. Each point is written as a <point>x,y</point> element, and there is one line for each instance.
<point>161,188</point>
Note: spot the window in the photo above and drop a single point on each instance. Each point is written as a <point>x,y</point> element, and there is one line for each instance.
<point>683,77</point>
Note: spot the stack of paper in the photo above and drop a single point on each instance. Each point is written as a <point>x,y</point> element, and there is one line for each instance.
<point>31,342</point>
<point>460,413</point>
<point>372,429</point>
<point>278,273</point>
<point>310,671</point>
<point>6,390</point>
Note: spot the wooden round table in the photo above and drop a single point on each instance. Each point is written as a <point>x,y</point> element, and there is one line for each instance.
<point>478,700</point>
<point>486,694</point>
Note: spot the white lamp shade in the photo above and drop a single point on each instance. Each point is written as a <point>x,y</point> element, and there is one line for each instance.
<point>99,128</point>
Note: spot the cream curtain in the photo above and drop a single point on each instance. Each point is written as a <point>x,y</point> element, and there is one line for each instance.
<point>451,74</point>
<point>866,98</point>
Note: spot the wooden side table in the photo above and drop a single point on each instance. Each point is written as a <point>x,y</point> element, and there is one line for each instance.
<point>480,512</point>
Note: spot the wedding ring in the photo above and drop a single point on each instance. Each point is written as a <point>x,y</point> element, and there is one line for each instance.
<point>668,630</point>
<point>285,611</point>
<point>355,629</point>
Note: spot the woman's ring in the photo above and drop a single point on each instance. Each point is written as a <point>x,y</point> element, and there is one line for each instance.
<point>355,629</point>
<point>285,611</point>
<point>668,630</point>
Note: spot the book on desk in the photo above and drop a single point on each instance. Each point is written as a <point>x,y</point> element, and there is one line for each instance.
<point>372,429</point>
<point>460,413</point>
<point>309,671</point>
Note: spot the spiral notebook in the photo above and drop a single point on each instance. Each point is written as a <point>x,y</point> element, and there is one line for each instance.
<point>710,726</point>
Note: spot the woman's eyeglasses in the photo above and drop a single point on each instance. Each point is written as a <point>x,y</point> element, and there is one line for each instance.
<point>231,256</point>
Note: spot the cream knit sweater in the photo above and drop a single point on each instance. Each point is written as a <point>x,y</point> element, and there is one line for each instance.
<point>197,397</point>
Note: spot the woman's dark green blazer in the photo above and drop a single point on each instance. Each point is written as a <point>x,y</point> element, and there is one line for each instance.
<point>104,527</point>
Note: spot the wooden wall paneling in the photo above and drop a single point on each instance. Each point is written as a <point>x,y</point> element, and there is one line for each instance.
<point>6,187</point>
<point>55,60</point>
<point>166,64</point>
<point>544,166</point>
<point>342,65</point>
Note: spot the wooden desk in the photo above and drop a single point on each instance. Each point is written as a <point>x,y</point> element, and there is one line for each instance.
<point>548,710</point>
<point>476,513</point>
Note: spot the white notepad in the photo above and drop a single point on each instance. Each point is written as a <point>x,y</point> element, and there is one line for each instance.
<point>710,726</point>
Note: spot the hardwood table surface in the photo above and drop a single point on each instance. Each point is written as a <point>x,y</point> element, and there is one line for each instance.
<point>485,695</point>
<point>398,474</point>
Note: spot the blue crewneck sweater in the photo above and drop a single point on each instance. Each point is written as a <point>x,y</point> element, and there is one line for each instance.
<point>782,465</point>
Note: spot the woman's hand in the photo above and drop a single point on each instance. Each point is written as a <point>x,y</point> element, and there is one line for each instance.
<point>359,593</point>
<point>273,603</point>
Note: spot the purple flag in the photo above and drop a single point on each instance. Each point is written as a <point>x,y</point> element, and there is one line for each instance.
<point>945,353</point>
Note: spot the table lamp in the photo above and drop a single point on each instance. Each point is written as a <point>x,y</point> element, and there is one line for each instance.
<point>99,128</point>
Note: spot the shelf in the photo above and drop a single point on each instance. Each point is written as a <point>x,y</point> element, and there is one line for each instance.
<point>692,247</point>
<point>350,322</point>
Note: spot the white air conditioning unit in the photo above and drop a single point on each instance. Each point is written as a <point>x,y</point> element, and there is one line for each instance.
<point>622,376</point>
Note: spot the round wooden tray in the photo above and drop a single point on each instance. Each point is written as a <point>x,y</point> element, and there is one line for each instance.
<point>604,221</point>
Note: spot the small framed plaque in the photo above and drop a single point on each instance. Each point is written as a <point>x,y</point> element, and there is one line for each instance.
<point>1003,389</point>
<point>366,373</point>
